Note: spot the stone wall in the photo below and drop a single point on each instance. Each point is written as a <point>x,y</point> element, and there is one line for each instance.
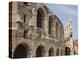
<point>23,24</point>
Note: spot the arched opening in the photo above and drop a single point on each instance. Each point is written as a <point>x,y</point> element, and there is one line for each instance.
<point>67,51</point>
<point>40,17</point>
<point>51,52</point>
<point>21,51</point>
<point>40,52</point>
<point>57,52</point>
<point>50,23</point>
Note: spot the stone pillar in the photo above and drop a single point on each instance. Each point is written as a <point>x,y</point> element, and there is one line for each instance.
<point>34,16</point>
<point>60,52</point>
<point>46,53</point>
<point>45,25</point>
<point>63,51</point>
<point>59,32</point>
<point>11,52</point>
<point>54,29</point>
<point>62,35</point>
<point>54,51</point>
<point>30,54</point>
<point>14,14</point>
<point>12,41</point>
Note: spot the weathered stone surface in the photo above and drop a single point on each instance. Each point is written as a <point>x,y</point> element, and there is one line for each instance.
<point>26,32</point>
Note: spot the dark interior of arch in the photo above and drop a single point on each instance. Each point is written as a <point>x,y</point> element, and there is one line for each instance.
<point>51,52</point>
<point>50,23</point>
<point>67,51</point>
<point>20,52</point>
<point>39,52</point>
<point>40,15</point>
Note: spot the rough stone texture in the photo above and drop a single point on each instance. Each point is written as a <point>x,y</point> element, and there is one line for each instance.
<point>33,37</point>
<point>75,47</point>
<point>68,36</point>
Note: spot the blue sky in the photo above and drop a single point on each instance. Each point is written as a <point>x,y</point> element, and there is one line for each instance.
<point>64,12</point>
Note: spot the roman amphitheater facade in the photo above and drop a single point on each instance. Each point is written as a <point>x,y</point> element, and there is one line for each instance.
<point>34,31</point>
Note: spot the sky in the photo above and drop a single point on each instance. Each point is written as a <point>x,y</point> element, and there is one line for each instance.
<point>64,12</point>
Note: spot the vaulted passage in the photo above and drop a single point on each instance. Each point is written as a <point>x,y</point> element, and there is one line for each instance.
<point>67,51</point>
<point>21,52</point>
<point>51,52</point>
<point>40,17</point>
<point>40,51</point>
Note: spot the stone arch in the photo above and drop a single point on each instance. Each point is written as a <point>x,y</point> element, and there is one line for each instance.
<point>40,17</point>
<point>57,52</point>
<point>22,51</point>
<point>67,51</point>
<point>46,9</point>
<point>51,51</point>
<point>50,23</point>
<point>40,51</point>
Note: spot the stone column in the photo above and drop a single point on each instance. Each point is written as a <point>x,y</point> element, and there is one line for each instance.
<point>11,52</point>
<point>45,24</point>
<point>62,35</point>
<point>53,28</point>
<point>34,16</point>
<point>14,14</point>
<point>30,54</point>
<point>56,29</point>
<point>59,32</point>
<point>63,51</point>
<point>60,52</point>
<point>55,51</point>
<point>47,53</point>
